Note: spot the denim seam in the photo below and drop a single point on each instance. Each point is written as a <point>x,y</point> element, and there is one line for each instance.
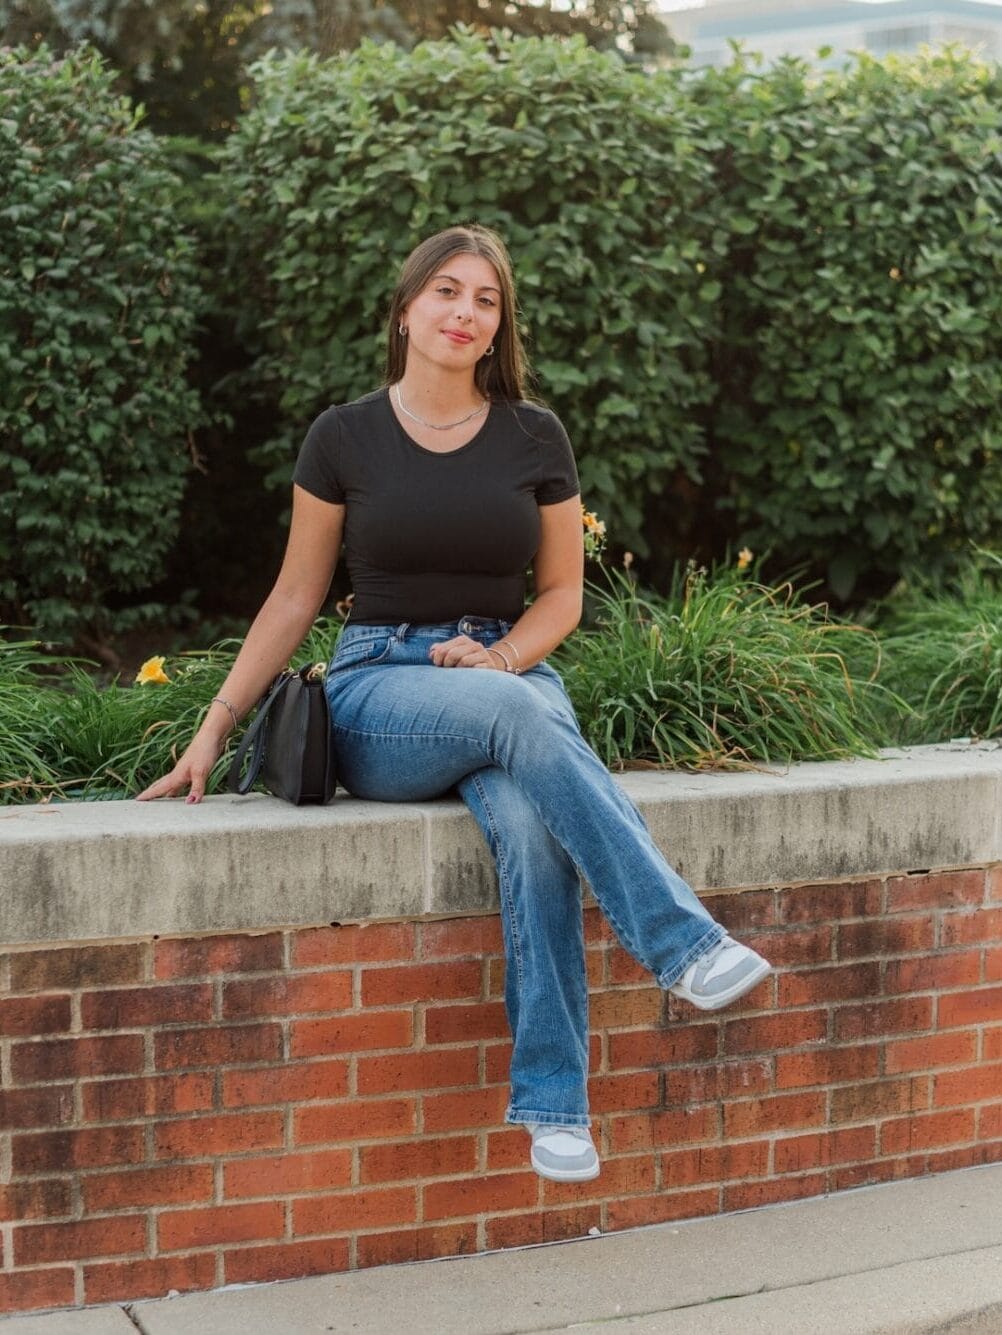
<point>706,942</point>
<point>519,1116</point>
<point>504,883</point>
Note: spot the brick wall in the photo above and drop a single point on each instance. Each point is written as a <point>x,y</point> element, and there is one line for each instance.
<point>186,1113</point>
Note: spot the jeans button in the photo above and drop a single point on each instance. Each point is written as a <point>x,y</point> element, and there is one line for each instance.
<point>465,627</point>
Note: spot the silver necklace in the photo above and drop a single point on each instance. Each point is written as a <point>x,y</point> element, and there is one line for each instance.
<point>435,426</point>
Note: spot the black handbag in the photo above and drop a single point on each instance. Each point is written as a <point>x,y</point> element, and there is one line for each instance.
<point>292,740</point>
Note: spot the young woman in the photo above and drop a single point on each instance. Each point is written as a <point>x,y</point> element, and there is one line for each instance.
<point>444,486</point>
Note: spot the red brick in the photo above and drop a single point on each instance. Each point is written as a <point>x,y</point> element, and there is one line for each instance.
<point>209,1137</point>
<point>978,1007</point>
<point>351,1033</point>
<point>132,1007</point>
<point>34,1244</point>
<point>992,1044</point>
<point>173,1184</point>
<point>793,1154</point>
<point>455,1112</point>
<point>990,1122</point>
<point>831,984</point>
<point>198,957</point>
<point>123,1281</point>
<point>373,1119</point>
<point>418,1070</point>
<point>287,994</point>
<point>931,972</point>
<point>782,1112</point>
<point>28,1017</point>
<point>752,1195</point>
<point>496,976</point>
<point>507,1149</point>
<point>876,1018</point>
<point>714,1163</point>
<point>636,1210</point>
<point>628,1175</point>
<point>61,1151</point>
<point>827,1066</point>
<point>465,1024</point>
<point>766,1033</point>
<point>152,1096</point>
<point>290,1260</point>
<point>993,965</point>
<point>457,937</point>
<point>497,1063</point>
<point>624,969</point>
<point>966,929</point>
<point>937,890</point>
<point>518,1230</point>
<point>879,1098</point>
<point>922,1054</point>
<point>446,1240</point>
<point>747,1077</point>
<point>287,1174</point>
<point>394,984</point>
<point>480,1195</point>
<point>886,936</point>
<point>626,1008</point>
<point>661,1047</point>
<point>574,1222</point>
<point>596,969</point>
<point>226,1045</point>
<point>654,1130</point>
<point>40,1198</point>
<point>26,1290</point>
<point>75,967</point>
<point>827,903</point>
<point>623,1093</point>
<point>396,1248</point>
<point>843,1177</point>
<point>995,883</point>
<point>742,910</point>
<point>64,1058</point>
<point>408,1160</point>
<point>596,927</point>
<point>355,1209</point>
<point>790,948</point>
<point>926,1130</point>
<point>357,943</point>
<point>973,1085</point>
<point>686,1085</point>
<point>299,1082</point>
<point>215,1225</point>
<point>45,1105</point>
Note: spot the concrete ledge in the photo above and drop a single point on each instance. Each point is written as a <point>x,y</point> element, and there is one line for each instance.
<point>112,870</point>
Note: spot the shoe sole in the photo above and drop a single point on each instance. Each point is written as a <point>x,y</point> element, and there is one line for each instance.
<point>725,998</point>
<point>566,1175</point>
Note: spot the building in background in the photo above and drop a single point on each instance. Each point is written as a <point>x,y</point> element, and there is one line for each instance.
<point>801,27</point>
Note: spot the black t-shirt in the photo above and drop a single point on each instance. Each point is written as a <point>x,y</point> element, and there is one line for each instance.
<point>432,537</point>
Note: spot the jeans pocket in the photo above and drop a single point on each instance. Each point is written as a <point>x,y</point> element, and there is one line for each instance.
<point>361,651</point>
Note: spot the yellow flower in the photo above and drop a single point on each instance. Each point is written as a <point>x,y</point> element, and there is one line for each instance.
<point>894,273</point>
<point>745,558</point>
<point>152,670</point>
<point>700,267</point>
<point>594,533</point>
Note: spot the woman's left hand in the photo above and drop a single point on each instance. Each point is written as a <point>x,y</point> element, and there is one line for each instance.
<point>461,651</point>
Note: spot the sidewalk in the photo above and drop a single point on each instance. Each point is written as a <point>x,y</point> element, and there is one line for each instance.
<point>923,1255</point>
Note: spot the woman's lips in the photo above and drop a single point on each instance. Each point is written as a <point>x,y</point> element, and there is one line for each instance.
<point>457,336</point>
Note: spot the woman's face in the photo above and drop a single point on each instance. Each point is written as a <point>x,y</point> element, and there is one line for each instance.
<point>452,321</point>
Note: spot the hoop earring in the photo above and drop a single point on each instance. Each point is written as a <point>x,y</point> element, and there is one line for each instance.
<point>402,330</point>
<point>490,351</point>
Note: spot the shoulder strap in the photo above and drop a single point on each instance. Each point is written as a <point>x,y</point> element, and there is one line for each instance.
<point>254,736</point>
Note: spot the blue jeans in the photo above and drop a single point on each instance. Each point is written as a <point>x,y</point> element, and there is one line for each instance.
<point>406,731</point>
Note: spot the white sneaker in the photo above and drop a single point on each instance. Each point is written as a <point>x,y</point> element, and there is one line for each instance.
<point>727,971</point>
<point>563,1153</point>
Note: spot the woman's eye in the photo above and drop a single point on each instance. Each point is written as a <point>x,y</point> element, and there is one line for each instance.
<point>487,301</point>
<point>446,291</point>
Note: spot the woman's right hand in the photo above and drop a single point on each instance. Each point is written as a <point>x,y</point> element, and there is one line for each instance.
<point>191,771</point>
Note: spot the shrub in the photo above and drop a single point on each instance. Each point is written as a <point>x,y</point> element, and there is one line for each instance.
<point>98,306</point>
<point>722,671</point>
<point>591,170</point>
<point>859,423</point>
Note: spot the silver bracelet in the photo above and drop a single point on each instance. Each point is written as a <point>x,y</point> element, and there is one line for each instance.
<point>221,700</point>
<point>518,658</point>
<point>507,665</point>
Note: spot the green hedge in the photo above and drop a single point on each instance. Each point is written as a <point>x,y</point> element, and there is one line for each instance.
<point>99,301</point>
<point>859,419</point>
<point>599,182</point>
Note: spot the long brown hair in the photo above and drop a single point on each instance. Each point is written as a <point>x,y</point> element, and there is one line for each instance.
<point>504,374</point>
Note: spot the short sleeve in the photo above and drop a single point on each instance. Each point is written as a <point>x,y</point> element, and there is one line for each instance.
<point>318,466</point>
<point>558,479</point>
